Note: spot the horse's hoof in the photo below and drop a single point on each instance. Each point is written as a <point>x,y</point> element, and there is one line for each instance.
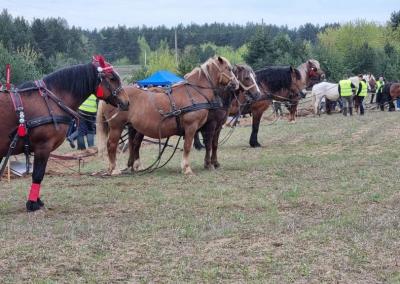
<point>198,147</point>
<point>116,172</point>
<point>217,165</point>
<point>41,203</point>
<point>188,171</point>
<point>209,167</point>
<point>255,144</point>
<point>32,206</point>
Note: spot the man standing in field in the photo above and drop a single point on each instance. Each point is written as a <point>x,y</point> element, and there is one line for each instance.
<point>346,91</point>
<point>361,94</point>
<point>379,88</point>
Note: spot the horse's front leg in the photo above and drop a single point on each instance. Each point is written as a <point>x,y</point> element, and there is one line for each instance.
<point>214,156</point>
<point>292,113</point>
<point>39,167</point>
<point>208,134</point>
<point>189,135</point>
<point>112,145</point>
<point>254,128</point>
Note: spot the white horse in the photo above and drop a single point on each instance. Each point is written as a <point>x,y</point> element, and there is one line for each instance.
<point>328,91</point>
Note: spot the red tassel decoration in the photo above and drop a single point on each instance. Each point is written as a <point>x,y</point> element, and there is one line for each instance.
<point>21,130</point>
<point>99,92</point>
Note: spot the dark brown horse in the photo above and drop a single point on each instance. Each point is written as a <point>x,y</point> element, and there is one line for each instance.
<point>48,106</point>
<point>280,84</point>
<point>390,93</point>
<point>158,114</point>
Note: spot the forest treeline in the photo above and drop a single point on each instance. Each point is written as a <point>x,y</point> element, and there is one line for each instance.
<point>40,46</point>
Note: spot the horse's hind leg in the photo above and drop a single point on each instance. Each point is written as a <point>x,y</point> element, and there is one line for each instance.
<point>136,143</point>
<point>39,166</point>
<point>112,145</point>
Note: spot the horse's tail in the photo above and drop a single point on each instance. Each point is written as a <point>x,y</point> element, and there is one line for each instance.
<point>102,128</point>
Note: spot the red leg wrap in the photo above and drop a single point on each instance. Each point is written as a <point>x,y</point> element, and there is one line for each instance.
<point>35,192</point>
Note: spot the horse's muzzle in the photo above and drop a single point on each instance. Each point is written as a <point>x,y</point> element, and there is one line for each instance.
<point>123,106</point>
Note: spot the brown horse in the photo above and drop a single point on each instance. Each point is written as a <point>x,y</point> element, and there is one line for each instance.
<point>391,93</point>
<point>157,114</point>
<point>35,117</point>
<point>216,118</point>
<point>280,84</point>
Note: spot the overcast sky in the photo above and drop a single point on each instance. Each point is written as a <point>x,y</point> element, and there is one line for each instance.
<point>90,14</point>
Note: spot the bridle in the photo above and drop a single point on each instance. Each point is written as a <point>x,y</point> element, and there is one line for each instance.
<point>246,89</point>
<point>222,74</point>
<point>102,72</point>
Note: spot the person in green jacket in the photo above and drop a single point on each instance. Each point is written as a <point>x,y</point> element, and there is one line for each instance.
<point>87,124</point>
<point>346,91</point>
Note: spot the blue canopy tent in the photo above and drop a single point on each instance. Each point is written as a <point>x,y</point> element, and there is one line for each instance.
<point>160,78</point>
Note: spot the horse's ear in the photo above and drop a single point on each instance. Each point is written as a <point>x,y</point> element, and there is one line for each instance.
<point>291,69</point>
<point>220,60</point>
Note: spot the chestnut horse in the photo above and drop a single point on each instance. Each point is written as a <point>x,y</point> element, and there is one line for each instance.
<point>157,114</point>
<point>35,116</point>
<point>216,118</point>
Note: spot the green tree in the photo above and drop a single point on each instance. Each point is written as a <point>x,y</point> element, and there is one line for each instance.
<point>260,49</point>
<point>23,64</point>
<point>162,59</point>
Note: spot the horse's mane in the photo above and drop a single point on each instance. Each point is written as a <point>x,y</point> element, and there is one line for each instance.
<point>277,77</point>
<point>79,80</point>
<point>204,65</point>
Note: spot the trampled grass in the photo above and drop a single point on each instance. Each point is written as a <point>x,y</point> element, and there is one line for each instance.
<point>318,203</point>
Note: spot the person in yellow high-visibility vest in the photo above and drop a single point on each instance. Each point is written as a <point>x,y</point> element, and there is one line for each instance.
<point>346,91</point>
<point>87,124</point>
<point>379,97</point>
<point>362,92</point>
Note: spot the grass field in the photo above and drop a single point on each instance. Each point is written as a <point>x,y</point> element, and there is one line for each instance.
<point>318,203</point>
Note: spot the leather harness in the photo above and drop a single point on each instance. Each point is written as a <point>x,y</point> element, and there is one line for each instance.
<point>177,112</point>
<point>24,126</point>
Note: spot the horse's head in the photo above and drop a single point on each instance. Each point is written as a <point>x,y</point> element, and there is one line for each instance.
<point>314,71</point>
<point>109,83</point>
<point>219,73</point>
<point>296,89</point>
<point>247,80</point>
